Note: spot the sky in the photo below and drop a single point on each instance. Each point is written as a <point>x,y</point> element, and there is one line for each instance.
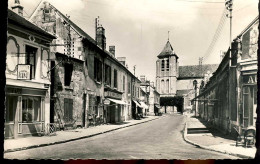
<point>139,28</point>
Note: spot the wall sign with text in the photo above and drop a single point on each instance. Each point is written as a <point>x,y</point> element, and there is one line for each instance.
<point>250,79</point>
<point>24,71</point>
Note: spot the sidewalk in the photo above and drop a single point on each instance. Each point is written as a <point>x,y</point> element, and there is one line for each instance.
<point>214,141</point>
<point>11,145</point>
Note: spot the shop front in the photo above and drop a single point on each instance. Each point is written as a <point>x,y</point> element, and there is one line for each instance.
<point>249,99</point>
<point>25,111</point>
<point>114,106</point>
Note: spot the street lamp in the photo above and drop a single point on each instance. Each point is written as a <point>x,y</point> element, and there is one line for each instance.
<point>195,88</point>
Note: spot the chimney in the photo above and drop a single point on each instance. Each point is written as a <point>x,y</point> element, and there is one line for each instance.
<point>122,60</point>
<point>112,50</point>
<point>17,8</point>
<point>100,37</point>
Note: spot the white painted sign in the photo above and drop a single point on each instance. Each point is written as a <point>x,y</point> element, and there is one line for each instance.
<point>23,72</point>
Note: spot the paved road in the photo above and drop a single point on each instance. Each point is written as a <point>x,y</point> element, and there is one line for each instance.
<point>158,139</point>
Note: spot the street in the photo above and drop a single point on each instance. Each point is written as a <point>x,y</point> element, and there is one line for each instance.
<point>158,139</point>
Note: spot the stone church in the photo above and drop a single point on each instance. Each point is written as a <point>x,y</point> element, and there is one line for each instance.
<point>174,80</point>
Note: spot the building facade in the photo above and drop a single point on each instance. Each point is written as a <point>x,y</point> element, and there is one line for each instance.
<point>229,98</point>
<point>27,79</point>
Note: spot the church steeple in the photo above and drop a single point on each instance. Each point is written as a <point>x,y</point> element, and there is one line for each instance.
<point>167,51</point>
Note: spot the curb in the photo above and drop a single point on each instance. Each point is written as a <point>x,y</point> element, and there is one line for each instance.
<point>77,138</point>
<point>211,149</point>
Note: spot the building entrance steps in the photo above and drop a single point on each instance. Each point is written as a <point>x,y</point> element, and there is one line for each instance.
<point>198,134</point>
<point>11,145</point>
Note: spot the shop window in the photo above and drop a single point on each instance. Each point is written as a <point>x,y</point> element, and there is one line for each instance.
<point>97,70</point>
<point>255,94</point>
<point>31,109</point>
<point>115,78</point>
<point>107,75</point>
<point>68,69</point>
<point>68,109</point>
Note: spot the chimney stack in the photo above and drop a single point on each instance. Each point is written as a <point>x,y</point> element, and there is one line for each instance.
<point>112,50</point>
<point>100,37</point>
<point>122,60</point>
<point>17,8</point>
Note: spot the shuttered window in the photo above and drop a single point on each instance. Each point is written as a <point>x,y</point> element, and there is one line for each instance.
<point>68,110</point>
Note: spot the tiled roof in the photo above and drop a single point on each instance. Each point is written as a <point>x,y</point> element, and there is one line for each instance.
<point>196,71</point>
<point>20,21</point>
<point>182,92</point>
<point>167,51</point>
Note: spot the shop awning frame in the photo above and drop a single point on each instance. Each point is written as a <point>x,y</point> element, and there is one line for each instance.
<point>137,103</point>
<point>117,101</point>
<point>144,105</point>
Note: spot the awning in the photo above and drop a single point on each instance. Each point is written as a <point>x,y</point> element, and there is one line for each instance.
<point>118,101</point>
<point>144,105</point>
<point>137,104</point>
<point>157,106</point>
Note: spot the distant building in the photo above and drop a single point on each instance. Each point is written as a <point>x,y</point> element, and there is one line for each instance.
<point>174,80</point>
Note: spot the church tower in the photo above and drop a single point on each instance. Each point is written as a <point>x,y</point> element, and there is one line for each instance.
<point>167,71</point>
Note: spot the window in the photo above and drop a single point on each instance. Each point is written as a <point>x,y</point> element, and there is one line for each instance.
<point>162,86</point>
<point>167,65</point>
<point>124,83</point>
<point>97,70</point>
<point>162,65</point>
<point>107,75</point>
<point>167,86</point>
<point>31,109</point>
<point>115,78</point>
<point>29,58</point>
<point>129,87</point>
<point>68,69</point>
<point>68,110</point>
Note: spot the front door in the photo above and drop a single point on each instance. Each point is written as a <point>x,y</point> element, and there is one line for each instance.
<point>10,122</point>
<point>249,105</point>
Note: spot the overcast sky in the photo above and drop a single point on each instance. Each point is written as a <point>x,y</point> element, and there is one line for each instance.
<point>139,28</point>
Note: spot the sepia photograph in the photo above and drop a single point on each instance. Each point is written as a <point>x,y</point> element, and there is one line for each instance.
<point>132,80</point>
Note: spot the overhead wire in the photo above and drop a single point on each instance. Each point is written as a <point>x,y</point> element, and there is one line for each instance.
<point>216,35</point>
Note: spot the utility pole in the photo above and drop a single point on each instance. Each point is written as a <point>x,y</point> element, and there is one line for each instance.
<point>229,7</point>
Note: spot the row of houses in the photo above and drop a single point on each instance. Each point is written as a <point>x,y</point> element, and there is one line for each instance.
<point>59,76</point>
<point>229,97</point>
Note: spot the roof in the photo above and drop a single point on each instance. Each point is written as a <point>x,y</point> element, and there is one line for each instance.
<point>83,34</point>
<point>18,20</point>
<point>182,92</point>
<point>190,71</point>
<point>167,51</point>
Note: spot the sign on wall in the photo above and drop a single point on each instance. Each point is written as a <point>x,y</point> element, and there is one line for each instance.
<point>24,71</point>
<point>113,94</point>
<point>250,79</point>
